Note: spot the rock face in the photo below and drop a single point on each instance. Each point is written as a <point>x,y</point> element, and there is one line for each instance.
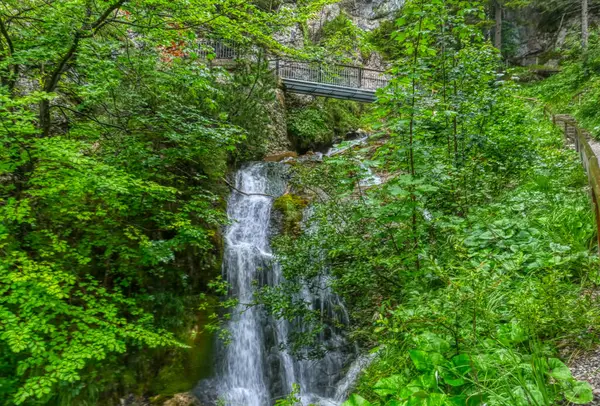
<point>534,37</point>
<point>276,131</point>
<point>531,37</point>
<point>366,14</point>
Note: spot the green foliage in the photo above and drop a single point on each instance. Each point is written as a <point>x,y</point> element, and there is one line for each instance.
<point>292,399</point>
<point>291,207</point>
<point>500,376</point>
<point>338,40</point>
<point>473,261</point>
<point>381,39</point>
<point>309,128</point>
<point>576,88</point>
<point>247,100</point>
<point>343,41</point>
<point>317,125</point>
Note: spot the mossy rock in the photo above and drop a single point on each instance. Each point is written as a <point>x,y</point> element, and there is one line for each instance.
<point>292,208</point>
<point>184,367</point>
<point>314,127</point>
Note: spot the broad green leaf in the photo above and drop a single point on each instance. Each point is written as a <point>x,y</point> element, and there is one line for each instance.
<point>425,361</point>
<point>389,386</point>
<point>579,393</point>
<point>558,370</point>
<point>356,400</point>
<point>432,342</point>
<point>460,400</point>
<point>462,364</point>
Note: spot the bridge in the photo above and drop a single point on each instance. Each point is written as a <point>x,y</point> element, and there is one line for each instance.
<point>312,78</point>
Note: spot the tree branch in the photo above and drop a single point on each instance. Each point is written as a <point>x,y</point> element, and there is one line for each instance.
<point>244,193</point>
<point>10,82</point>
<point>52,80</point>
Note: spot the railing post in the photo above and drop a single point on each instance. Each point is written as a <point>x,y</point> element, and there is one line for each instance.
<point>277,67</point>
<point>596,210</point>
<point>360,76</point>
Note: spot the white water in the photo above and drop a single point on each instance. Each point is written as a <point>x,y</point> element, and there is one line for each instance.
<point>254,370</point>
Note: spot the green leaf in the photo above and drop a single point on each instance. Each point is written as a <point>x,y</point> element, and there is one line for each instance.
<point>425,399</point>
<point>389,386</point>
<point>477,399</point>
<point>460,400</point>
<point>432,342</point>
<point>558,370</point>
<point>579,393</point>
<point>425,361</point>
<point>462,364</point>
<point>356,400</point>
<point>511,333</point>
<point>453,381</point>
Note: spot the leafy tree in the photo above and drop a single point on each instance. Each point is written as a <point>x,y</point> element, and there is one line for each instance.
<point>115,136</point>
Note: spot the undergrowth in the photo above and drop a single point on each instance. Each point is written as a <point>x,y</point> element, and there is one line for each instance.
<point>576,88</point>
<point>471,270</point>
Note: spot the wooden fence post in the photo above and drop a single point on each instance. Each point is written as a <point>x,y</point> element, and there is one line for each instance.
<point>597,215</point>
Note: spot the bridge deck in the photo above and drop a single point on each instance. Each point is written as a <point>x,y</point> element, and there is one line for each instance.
<point>328,90</point>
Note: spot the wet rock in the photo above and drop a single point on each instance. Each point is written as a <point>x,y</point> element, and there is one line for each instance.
<point>356,134</point>
<point>183,399</point>
<point>276,131</point>
<point>206,392</point>
<point>132,400</point>
<point>311,157</point>
<point>280,156</point>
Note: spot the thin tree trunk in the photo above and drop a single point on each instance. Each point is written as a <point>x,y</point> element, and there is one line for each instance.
<point>53,78</point>
<point>498,30</point>
<point>585,34</point>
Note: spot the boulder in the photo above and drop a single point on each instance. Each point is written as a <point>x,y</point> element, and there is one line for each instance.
<point>281,156</point>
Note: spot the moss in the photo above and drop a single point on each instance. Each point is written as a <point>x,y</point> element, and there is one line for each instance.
<point>185,366</point>
<point>291,207</point>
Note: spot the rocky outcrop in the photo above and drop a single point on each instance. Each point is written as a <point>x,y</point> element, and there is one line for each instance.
<point>366,14</point>
<point>531,38</point>
<point>280,157</point>
<point>534,37</point>
<point>276,131</point>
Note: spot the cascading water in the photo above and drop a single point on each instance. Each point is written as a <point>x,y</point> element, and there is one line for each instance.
<point>243,380</point>
<point>253,369</point>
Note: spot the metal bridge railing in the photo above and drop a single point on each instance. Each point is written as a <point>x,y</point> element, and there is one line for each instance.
<point>339,75</point>
<point>221,49</point>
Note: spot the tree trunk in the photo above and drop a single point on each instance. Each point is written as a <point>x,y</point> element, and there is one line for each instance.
<point>585,34</point>
<point>498,30</point>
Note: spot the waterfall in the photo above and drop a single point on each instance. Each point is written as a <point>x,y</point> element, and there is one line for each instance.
<point>253,368</point>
